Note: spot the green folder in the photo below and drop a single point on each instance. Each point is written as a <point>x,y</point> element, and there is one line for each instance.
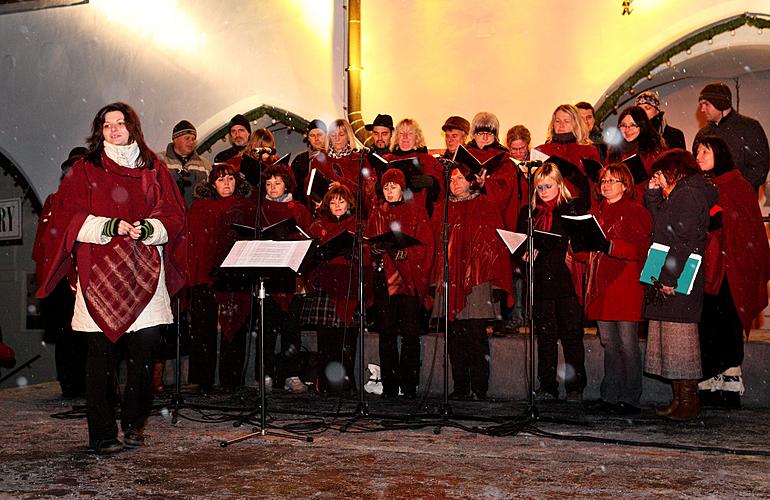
<point>656,256</point>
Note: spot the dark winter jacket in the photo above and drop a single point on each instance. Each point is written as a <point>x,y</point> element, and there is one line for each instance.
<point>673,136</point>
<point>747,142</point>
<point>681,222</point>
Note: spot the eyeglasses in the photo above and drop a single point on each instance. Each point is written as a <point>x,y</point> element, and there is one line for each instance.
<point>544,187</point>
<point>610,181</point>
<point>485,134</point>
<point>630,126</point>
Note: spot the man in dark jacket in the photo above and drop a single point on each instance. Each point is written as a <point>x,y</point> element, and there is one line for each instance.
<point>239,132</point>
<point>382,132</point>
<point>300,166</point>
<point>744,136</point>
<point>650,103</point>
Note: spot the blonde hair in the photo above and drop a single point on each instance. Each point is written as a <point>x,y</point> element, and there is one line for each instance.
<point>344,124</point>
<point>260,138</point>
<point>408,123</point>
<point>578,124</point>
<point>552,172</point>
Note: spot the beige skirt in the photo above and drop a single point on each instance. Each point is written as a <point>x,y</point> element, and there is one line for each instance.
<point>673,350</point>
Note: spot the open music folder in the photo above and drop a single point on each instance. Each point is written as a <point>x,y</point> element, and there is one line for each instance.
<point>267,254</point>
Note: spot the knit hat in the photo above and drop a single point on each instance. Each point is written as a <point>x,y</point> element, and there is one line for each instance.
<point>316,123</point>
<point>396,176</point>
<point>75,155</point>
<point>182,128</point>
<point>485,122</point>
<point>457,123</point>
<point>718,94</point>
<point>380,121</point>
<point>239,120</point>
<point>650,98</point>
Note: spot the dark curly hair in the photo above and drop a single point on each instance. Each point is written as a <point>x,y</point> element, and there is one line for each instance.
<point>282,171</point>
<point>96,140</point>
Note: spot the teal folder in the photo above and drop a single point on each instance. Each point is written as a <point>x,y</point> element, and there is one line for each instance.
<point>656,256</point>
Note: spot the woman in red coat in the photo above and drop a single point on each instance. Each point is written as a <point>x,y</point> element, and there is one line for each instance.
<point>737,266</point>
<point>426,189</point>
<point>479,273</point>
<point>283,305</point>
<point>567,138</point>
<point>341,164</point>
<point>405,275</point>
<point>221,200</point>
<point>500,180</point>
<point>332,300</point>
<point>615,297</point>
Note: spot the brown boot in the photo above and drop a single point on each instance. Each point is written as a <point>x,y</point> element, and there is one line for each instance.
<point>688,407</point>
<point>665,411</point>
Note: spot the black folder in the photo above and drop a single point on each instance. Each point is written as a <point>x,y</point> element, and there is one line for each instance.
<point>544,240</point>
<point>585,234</point>
<point>409,166</point>
<point>635,165</point>
<point>317,186</point>
<point>393,240</point>
<point>592,168</point>
<point>462,155</point>
<point>341,245</point>
<point>283,230</point>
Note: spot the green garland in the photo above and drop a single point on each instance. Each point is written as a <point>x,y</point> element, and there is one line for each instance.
<point>609,105</point>
<point>292,122</point>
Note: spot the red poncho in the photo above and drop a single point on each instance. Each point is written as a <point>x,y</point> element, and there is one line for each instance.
<point>413,273</point>
<point>501,186</point>
<point>210,238</point>
<point>431,167</point>
<point>739,249</point>
<point>345,171</point>
<point>476,252</point>
<point>117,279</point>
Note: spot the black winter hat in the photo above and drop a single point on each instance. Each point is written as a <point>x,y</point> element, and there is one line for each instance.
<point>381,121</point>
<point>316,123</point>
<point>239,120</point>
<point>182,128</point>
<point>718,94</point>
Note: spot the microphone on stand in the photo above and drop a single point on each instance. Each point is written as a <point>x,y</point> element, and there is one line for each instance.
<point>263,151</point>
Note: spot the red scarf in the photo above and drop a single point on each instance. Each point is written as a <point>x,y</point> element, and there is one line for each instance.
<point>544,215</point>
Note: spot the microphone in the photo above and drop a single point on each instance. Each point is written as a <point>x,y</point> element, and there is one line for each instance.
<point>361,150</point>
<point>263,151</point>
<point>447,163</point>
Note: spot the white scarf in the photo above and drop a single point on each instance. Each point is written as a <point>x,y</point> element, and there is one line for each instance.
<point>125,156</point>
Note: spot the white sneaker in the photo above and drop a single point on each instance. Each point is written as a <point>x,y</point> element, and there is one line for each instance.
<point>294,385</point>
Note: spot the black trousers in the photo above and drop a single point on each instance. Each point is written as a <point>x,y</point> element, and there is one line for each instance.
<point>337,345</point>
<point>469,354</point>
<point>560,319</point>
<point>721,333</point>
<point>71,347</point>
<point>101,373</point>
<point>400,316</point>
<point>203,337</point>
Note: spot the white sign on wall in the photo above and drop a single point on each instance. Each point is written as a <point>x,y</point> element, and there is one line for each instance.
<point>10,219</point>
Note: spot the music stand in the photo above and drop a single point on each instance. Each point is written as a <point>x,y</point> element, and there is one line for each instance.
<point>265,259</point>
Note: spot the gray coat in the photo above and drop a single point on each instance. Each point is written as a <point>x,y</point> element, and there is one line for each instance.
<point>680,222</point>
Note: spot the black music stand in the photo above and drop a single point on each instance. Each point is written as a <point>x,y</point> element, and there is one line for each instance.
<point>254,259</point>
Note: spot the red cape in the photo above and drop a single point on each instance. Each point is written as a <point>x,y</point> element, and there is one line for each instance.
<point>345,171</point>
<point>739,249</point>
<point>501,187</point>
<point>413,220</point>
<point>112,191</point>
<point>476,252</point>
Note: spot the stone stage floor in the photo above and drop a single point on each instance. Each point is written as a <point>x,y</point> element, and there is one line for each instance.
<point>400,451</point>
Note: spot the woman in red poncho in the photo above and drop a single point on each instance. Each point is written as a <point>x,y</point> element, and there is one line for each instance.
<point>405,275</point>
<point>426,188</point>
<point>332,301</point>
<point>221,200</point>
<point>737,266</point>
<point>119,218</point>
<point>283,306</point>
<point>341,164</point>
<point>479,269</point>
<point>615,297</point>
<point>500,181</point>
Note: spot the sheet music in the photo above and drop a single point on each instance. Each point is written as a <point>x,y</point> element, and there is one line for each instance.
<point>512,240</point>
<point>267,253</point>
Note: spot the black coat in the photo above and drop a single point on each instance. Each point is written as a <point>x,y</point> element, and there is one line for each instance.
<point>673,136</point>
<point>552,276</point>
<point>681,222</point>
<point>747,142</point>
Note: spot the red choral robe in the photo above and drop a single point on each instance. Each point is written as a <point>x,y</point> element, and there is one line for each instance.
<point>500,185</point>
<point>411,276</point>
<point>345,171</point>
<point>573,153</point>
<point>739,249</point>
<point>210,238</point>
<point>338,277</point>
<point>274,212</point>
<point>431,167</point>
<point>117,279</point>
<point>614,156</point>
<point>614,291</point>
<point>476,252</point>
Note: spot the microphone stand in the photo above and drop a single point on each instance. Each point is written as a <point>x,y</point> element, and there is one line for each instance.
<point>362,409</point>
<point>532,411</point>
<point>446,408</point>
